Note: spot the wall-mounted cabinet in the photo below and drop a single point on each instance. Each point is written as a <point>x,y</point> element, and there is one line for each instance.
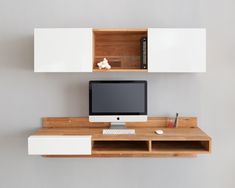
<point>80,49</point>
<point>63,50</point>
<point>176,50</point>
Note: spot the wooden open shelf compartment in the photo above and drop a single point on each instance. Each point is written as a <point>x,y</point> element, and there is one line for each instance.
<point>181,147</point>
<point>120,46</point>
<point>120,146</point>
<point>150,148</point>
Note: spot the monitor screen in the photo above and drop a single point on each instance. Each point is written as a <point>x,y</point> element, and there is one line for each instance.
<point>118,97</point>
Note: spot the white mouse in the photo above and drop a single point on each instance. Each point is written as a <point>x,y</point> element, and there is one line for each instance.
<point>159,131</point>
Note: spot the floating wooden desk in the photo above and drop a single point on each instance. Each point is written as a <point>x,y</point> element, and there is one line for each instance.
<point>187,140</point>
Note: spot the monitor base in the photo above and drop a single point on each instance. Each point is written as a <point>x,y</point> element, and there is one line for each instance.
<point>118,125</point>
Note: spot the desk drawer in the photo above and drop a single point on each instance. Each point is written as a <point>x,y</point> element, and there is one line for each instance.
<point>59,145</point>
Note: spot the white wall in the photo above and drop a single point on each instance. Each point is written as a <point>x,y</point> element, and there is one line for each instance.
<point>26,96</point>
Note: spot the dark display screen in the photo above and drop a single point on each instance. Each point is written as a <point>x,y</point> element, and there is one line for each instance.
<point>118,97</point>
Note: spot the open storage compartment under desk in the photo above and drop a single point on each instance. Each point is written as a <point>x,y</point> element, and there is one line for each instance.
<point>181,147</point>
<point>120,146</point>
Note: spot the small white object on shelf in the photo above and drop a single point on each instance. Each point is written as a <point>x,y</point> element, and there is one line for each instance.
<point>104,64</point>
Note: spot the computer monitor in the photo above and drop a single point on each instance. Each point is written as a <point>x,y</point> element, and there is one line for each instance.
<point>118,101</point>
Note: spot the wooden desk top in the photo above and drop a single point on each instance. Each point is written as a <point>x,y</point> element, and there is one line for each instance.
<point>141,133</point>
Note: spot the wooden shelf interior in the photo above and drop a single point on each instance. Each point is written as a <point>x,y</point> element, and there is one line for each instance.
<point>150,147</point>
<point>120,47</point>
<point>120,146</point>
<point>180,146</point>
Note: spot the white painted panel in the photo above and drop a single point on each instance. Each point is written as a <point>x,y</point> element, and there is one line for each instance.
<point>176,50</point>
<point>59,145</point>
<point>63,50</point>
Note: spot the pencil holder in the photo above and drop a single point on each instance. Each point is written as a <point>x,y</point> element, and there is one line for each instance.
<point>170,122</point>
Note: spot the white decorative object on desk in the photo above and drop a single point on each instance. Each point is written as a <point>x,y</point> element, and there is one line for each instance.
<point>104,64</point>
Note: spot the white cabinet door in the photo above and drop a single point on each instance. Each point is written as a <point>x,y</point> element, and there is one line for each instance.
<point>59,145</point>
<point>63,50</point>
<point>176,50</point>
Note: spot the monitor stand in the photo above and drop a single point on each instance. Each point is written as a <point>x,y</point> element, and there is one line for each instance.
<point>118,125</point>
<point>118,128</point>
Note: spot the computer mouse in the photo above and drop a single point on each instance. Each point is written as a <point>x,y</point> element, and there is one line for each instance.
<point>159,131</point>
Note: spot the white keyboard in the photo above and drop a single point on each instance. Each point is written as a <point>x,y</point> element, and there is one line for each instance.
<point>118,131</point>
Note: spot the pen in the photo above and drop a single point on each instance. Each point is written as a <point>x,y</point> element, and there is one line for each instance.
<point>176,118</point>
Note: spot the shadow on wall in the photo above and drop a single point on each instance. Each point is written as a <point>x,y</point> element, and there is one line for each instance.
<point>17,52</point>
<point>77,99</point>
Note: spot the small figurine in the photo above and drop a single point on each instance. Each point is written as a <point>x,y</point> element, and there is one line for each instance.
<point>104,64</point>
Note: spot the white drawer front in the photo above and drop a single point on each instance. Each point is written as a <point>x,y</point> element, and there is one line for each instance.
<point>59,145</point>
